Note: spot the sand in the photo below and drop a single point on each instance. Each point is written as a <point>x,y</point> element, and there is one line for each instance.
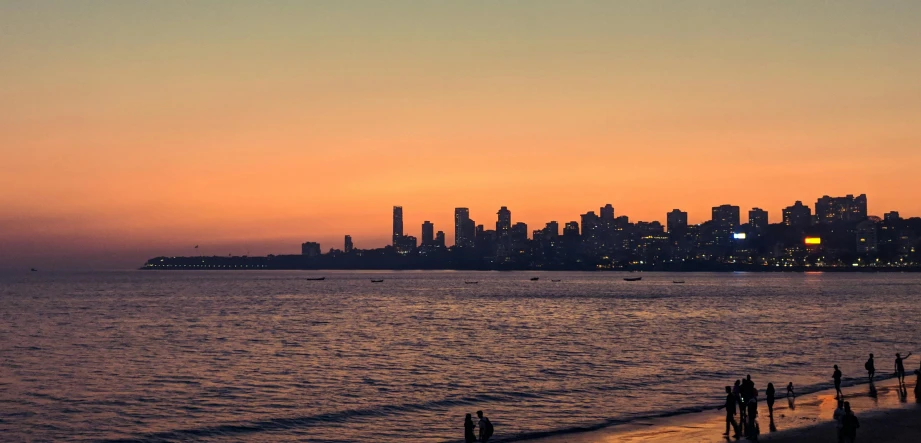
<point>885,414</point>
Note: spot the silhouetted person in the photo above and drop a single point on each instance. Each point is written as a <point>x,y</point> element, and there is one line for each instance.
<point>837,377</point>
<point>740,400</point>
<point>752,427</point>
<point>790,392</point>
<point>838,417</point>
<point>900,368</point>
<point>850,424</point>
<point>485,426</point>
<point>870,367</point>
<point>770,399</point>
<point>469,435</point>
<point>730,406</point>
<point>918,385</point>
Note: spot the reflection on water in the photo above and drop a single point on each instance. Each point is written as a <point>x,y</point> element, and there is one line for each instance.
<point>265,356</point>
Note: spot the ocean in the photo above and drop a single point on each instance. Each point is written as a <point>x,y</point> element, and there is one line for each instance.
<point>228,356</point>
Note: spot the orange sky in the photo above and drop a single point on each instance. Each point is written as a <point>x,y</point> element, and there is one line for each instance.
<point>135,129</point>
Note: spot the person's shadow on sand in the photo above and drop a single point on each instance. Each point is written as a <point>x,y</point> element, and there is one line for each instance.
<point>791,403</point>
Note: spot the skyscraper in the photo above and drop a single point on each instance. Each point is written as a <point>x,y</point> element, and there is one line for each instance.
<point>758,219</point>
<point>841,209</point>
<point>397,225</point>
<point>462,235</point>
<point>798,215</point>
<point>607,214</point>
<point>310,249</point>
<point>440,239</point>
<point>552,229</point>
<point>428,233</point>
<point>677,222</point>
<point>504,223</point>
<point>726,216</point>
<point>348,244</point>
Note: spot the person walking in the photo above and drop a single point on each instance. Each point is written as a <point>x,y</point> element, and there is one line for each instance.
<point>850,424</point>
<point>870,367</point>
<point>751,428</point>
<point>790,392</point>
<point>469,435</point>
<point>770,399</point>
<point>837,377</point>
<point>486,429</point>
<point>838,417</point>
<point>900,367</point>
<point>730,407</point>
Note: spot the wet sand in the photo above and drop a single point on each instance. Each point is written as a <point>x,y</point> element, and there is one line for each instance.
<point>885,414</point>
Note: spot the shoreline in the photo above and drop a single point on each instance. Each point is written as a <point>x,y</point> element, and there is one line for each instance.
<point>884,413</point>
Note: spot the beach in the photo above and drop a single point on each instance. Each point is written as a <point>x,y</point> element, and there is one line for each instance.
<point>886,416</point>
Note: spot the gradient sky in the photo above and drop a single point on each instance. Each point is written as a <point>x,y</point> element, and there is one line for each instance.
<point>130,129</point>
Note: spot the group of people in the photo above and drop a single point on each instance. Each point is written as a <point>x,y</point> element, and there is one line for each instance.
<point>744,397</point>
<point>870,366</point>
<point>846,422</point>
<point>483,425</point>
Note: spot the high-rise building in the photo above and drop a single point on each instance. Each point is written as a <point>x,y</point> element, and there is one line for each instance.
<point>519,234</point>
<point>607,214</point>
<point>428,233</point>
<point>504,223</point>
<point>310,249</point>
<point>397,224</point>
<point>462,235</point>
<point>348,244</point>
<point>440,239</point>
<point>677,222</point>
<point>552,229</point>
<point>841,209</point>
<point>591,233</point>
<point>892,217</point>
<point>726,216</point>
<point>571,229</point>
<point>798,215</point>
<point>758,219</point>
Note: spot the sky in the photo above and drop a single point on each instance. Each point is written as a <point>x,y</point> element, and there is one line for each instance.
<point>131,129</point>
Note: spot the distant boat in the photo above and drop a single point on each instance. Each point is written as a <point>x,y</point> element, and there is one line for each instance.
<point>535,278</point>
<point>316,278</point>
<point>470,282</point>
<point>678,282</point>
<point>633,278</point>
<point>376,281</point>
<point>34,270</point>
<point>556,281</point>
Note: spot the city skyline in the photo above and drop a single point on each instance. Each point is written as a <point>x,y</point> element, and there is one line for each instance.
<point>133,129</point>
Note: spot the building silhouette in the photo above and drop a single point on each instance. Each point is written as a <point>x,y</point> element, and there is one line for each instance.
<point>841,209</point>
<point>504,222</point>
<point>397,225</point>
<point>440,239</point>
<point>677,222</point>
<point>798,215</point>
<point>348,244</point>
<point>428,233</point>
<point>463,228</point>
<point>310,249</point>
<point>758,219</point>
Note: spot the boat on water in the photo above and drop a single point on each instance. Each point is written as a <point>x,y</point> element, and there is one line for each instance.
<point>678,282</point>
<point>535,278</point>
<point>376,281</point>
<point>470,282</point>
<point>34,270</point>
<point>316,278</point>
<point>633,278</point>
<point>556,281</point>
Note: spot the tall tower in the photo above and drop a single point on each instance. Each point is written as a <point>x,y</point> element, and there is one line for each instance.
<point>504,223</point>
<point>397,224</point>
<point>461,219</point>
<point>428,233</point>
<point>348,244</point>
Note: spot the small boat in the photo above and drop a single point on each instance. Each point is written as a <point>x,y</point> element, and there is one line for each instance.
<point>316,278</point>
<point>535,278</point>
<point>376,281</point>
<point>556,281</point>
<point>34,270</point>
<point>678,282</point>
<point>470,282</point>
<point>633,278</point>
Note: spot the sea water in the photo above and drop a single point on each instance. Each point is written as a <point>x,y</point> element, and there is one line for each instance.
<point>268,356</point>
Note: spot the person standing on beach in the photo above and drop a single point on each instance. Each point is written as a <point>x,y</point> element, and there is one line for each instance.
<point>469,435</point>
<point>485,426</point>
<point>900,367</point>
<point>790,393</point>
<point>838,417</point>
<point>770,399</point>
<point>752,427</point>
<point>737,392</point>
<point>837,377</point>
<point>730,406</point>
<point>851,424</point>
<point>871,368</point>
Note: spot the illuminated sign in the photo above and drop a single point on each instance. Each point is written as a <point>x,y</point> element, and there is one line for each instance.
<point>813,241</point>
<point>739,236</point>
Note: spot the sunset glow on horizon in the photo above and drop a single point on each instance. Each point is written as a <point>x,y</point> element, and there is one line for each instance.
<point>134,129</point>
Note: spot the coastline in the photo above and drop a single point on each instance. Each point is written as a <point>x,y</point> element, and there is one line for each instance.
<point>887,416</point>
